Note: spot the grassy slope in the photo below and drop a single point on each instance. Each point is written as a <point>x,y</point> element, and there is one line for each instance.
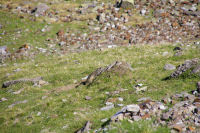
<point>146,60</point>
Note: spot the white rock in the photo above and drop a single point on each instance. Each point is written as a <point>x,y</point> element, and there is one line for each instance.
<point>39,113</point>
<point>133,108</point>
<point>120,99</point>
<point>107,108</point>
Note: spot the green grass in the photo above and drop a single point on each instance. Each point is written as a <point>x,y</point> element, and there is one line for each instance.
<point>58,108</point>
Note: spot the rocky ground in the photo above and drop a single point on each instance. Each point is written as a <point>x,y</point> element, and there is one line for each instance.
<point>68,63</point>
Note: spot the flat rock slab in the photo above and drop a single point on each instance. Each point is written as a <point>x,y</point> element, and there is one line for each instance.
<point>116,67</point>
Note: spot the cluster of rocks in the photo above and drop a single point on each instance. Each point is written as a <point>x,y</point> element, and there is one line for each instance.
<point>171,21</point>
<point>183,116</point>
<point>22,52</point>
<point>193,66</point>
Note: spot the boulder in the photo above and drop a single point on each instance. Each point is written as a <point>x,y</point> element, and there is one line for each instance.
<point>40,9</point>
<point>125,4</point>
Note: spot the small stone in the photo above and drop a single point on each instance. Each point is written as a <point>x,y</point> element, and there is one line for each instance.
<point>133,108</point>
<point>146,116</point>
<point>136,118</point>
<point>3,99</point>
<point>165,116</point>
<point>3,50</point>
<point>65,126</point>
<point>64,100</point>
<point>109,103</point>
<point>169,67</point>
<point>120,105</point>
<point>162,107</point>
<point>42,82</point>
<point>143,99</point>
<point>120,99</point>
<point>39,113</point>
<point>88,98</point>
<point>104,120</point>
<point>107,108</point>
<point>143,89</point>
<point>165,53</point>
<point>62,43</point>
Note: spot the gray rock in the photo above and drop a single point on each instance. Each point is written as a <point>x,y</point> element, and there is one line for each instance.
<point>165,116</point>
<point>125,4</point>
<point>87,98</point>
<point>62,43</point>
<point>18,102</point>
<point>133,108</point>
<point>184,67</point>
<point>198,87</point>
<point>3,50</point>
<point>104,120</point>
<point>107,108</point>
<point>85,129</point>
<point>41,9</point>
<point>196,70</point>
<point>101,17</point>
<point>136,118</point>
<point>169,67</point>
<point>143,99</point>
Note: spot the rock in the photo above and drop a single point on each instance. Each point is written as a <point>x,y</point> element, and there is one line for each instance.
<point>40,9</point>
<point>126,4</point>
<point>142,89</point>
<point>85,129</point>
<point>12,82</point>
<point>120,99</point>
<point>104,120</point>
<point>165,116</point>
<point>143,99</point>
<point>107,108</point>
<point>3,50</point>
<point>116,67</point>
<point>3,99</point>
<point>143,12</point>
<point>19,91</point>
<point>136,118</point>
<point>18,102</point>
<point>101,17</point>
<point>189,64</point>
<point>109,103</point>
<point>133,108</point>
<point>39,113</point>
<point>165,53</point>
<point>198,87</point>
<point>177,49</point>
<point>87,98</point>
<point>196,70</point>
<point>162,107</point>
<point>169,67</point>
